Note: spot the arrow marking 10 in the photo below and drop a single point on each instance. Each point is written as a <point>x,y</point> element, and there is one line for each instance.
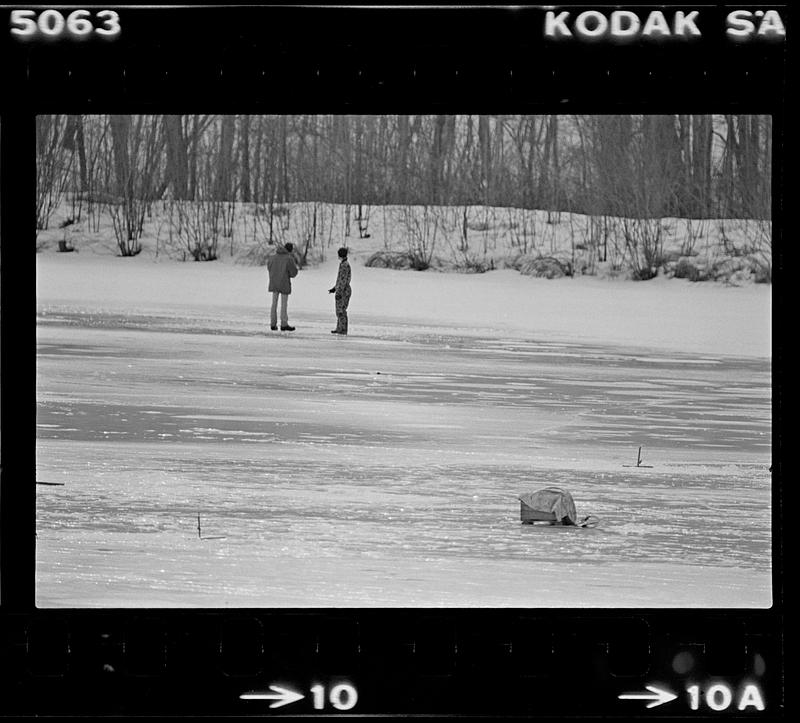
<point>280,696</point>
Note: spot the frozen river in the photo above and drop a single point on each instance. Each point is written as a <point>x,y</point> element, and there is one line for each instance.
<point>383,469</point>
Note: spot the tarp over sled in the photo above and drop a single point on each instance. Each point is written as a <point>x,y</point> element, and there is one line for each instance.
<point>551,504</point>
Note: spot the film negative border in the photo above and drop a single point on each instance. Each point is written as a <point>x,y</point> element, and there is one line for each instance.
<point>532,663</point>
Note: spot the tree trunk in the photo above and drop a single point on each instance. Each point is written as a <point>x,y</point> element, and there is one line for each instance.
<point>747,152</point>
<point>193,157</point>
<point>704,139</point>
<point>74,141</point>
<point>544,192</point>
<point>177,158</point>
<point>614,180</point>
<point>120,132</point>
<point>244,138</point>
<point>223,185</point>
<point>358,161</point>
<point>484,142</point>
<point>285,195</point>
<point>404,143</point>
<point>257,180</point>
<point>727,204</point>
<point>556,190</point>
<point>437,154</point>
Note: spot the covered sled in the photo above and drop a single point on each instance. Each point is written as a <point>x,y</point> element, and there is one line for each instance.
<point>552,505</point>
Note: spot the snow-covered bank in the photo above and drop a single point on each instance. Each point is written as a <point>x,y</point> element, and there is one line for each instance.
<point>665,314</point>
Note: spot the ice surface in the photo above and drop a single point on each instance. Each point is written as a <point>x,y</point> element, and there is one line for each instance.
<point>382,469</point>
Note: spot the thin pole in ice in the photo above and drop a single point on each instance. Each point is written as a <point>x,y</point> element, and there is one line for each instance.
<point>207,537</point>
<point>639,461</point>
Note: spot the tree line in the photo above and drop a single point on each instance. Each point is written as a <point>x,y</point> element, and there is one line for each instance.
<point>628,166</point>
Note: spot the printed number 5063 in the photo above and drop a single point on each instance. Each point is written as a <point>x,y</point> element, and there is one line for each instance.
<point>78,25</point>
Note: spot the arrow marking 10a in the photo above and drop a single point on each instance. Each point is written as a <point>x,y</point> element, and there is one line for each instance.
<point>656,696</point>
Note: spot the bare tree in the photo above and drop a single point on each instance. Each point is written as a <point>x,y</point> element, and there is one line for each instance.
<point>53,166</point>
<point>484,142</point>
<point>244,143</point>
<point>75,143</point>
<point>177,173</point>
<point>422,226</point>
<point>402,157</point>
<point>136,148</point>
<point>626,173</point>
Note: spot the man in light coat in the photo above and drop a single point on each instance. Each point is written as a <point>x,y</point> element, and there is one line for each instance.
<point>282,269</point>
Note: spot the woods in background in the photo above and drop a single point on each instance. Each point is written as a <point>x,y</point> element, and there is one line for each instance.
<point>633,167</point>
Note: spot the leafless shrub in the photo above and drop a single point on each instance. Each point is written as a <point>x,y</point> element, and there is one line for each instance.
<point>456,224</point>
<point>390,260</point>
<point>200,224</point>
<point>547,267</point>
<point>751,238</point>
<point>696,229</point>
<point>689,268</point>
<point>311,230</point>
<point>522,229</point>
<point>53,166</point>
<point>136,158</point>
<point>422,225</point>
<point>362,219</point>
<point>645,245</point>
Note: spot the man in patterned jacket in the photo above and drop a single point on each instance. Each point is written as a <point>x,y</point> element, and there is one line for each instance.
<point>342,293</point>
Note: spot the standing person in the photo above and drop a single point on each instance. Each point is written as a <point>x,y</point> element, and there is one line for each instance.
<point>342,293</point>
<point>282,269</point>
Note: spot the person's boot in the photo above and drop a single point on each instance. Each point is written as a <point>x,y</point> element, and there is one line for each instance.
<point>287,328</point>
